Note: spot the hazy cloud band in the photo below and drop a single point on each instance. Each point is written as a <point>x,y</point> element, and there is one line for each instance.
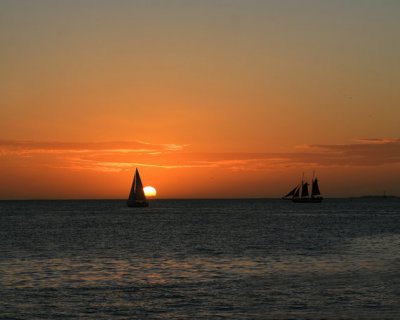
<point>124,155</point>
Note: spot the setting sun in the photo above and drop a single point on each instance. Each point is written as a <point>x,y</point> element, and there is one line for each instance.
<point>150,191</point>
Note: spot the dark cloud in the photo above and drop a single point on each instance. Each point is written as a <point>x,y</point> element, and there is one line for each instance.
<point>369,152</point>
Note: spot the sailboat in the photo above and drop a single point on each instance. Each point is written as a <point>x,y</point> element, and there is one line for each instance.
<point>136,196</point>
<point>300,192</point>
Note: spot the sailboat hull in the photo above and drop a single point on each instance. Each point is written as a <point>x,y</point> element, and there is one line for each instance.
<point>137,204</point>
<point>307,200</point>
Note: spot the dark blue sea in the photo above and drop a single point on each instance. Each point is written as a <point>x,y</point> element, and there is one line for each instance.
<point>200,259</point>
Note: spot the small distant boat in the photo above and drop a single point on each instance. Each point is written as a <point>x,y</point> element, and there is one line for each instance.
<point>300,192</point>
<point>136,196</point>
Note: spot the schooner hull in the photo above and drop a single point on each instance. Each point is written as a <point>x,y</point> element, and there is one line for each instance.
<point>307,200</point>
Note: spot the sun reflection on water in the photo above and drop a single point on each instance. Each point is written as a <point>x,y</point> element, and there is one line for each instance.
<point>83,272</point>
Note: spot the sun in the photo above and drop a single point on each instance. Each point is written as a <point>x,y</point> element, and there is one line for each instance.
<point>150,191</point>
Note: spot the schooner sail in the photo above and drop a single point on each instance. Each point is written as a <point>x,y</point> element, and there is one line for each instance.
<point>293,192</point>
<point>301,194</point>
<point>315,189</point>
<point>137,197</point>
<point>304,190</point>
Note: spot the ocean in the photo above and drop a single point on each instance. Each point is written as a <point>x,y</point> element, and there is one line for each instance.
<point>200,259</point>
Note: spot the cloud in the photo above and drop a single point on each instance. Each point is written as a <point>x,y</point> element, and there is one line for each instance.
<point>368,152</point>
<point>122,156</point>
<point>377,140</point>
<point>27,147</point>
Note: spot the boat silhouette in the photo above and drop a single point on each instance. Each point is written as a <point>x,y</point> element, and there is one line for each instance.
<point>137,197</point>
<point>300,192</point>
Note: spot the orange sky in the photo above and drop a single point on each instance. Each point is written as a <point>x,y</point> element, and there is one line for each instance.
<point>208,99</point>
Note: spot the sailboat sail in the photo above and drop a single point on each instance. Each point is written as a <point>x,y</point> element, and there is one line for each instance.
<point>137,192</point>
<point>315,189</point>
<point>137,197</point>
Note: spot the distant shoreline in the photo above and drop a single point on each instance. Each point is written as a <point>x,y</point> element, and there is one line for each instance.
<point>376,197</point>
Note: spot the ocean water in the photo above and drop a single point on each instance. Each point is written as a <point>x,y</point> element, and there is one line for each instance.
<point>200,259</point>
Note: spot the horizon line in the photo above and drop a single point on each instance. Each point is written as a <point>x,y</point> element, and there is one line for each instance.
<point>202,198</point>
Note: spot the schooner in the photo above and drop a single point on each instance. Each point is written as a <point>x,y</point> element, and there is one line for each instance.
<point>301,194</point>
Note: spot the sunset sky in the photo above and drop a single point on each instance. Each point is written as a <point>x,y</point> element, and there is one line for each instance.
<point>221,98</point>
